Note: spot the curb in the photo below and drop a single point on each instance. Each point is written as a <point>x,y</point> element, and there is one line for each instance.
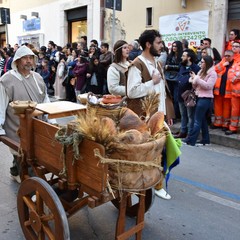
<point>217,136</point>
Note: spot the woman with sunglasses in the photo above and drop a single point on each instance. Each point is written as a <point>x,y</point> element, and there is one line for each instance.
<point>203,84</point>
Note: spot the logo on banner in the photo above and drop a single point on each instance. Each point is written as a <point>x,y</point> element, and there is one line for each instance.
<point>182,23</point>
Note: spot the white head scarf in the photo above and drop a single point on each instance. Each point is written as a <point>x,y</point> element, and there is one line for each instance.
<point>21,52</point>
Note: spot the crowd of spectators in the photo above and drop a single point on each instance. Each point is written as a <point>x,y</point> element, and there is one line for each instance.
<point>78,68</point>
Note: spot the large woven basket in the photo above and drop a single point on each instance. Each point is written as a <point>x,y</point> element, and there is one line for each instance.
<point>135,167</point>
<point>21,106</point>
<point>105,110</point>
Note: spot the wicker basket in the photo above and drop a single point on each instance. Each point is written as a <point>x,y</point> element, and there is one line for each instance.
<point>21,106</point>
<point>135,167</point>
<point>105,110</point>
<point>82,98</point>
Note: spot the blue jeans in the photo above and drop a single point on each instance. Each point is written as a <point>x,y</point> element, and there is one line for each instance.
<point>200,121</point>
<point>187,118</point>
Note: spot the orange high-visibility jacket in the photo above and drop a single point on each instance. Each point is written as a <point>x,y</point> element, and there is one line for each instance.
<point>234,75</point>
<point>220,70</point>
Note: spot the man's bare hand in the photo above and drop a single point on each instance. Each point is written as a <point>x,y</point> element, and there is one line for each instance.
<point>156,77</point>
<point>170,122</point>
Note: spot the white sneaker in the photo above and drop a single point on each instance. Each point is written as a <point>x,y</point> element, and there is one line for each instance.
<point>162,194</point>
<point>34,198</point>
<point>16,178</point>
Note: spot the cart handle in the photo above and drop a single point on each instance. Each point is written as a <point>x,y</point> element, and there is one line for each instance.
<point>10,143</point>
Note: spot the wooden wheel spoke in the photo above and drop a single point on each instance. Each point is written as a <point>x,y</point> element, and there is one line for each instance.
<point>27,223</point>
<point>48,231</point>
<point>39,204</point>
<point>30,204</point>
<point>47,218</point>
<point>43,217</point>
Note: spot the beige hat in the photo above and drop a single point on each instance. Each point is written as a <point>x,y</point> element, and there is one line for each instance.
<point>21,52</point>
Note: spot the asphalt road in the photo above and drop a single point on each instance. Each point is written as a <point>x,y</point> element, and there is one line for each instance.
<point>205,202</point>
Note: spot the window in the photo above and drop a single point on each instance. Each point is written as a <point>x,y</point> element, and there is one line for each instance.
<point>79,28</point>
<point>149,16</point>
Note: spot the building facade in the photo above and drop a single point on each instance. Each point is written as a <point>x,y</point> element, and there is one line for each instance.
<point>38,21</point>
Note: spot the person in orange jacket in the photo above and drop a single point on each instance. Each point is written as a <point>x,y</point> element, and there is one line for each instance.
<point>234,36</point>
<point>234,75</point>
<point>222,92</point>
<point>236,51</point>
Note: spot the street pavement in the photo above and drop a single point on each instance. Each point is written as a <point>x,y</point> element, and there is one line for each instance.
<point>205,200</point>
<point>217,136</point>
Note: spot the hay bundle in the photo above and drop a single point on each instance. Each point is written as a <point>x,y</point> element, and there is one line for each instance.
<point>101,130</point>
<point>150,104</point>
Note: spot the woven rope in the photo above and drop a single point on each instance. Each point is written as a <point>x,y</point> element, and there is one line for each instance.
<point>73,139</point>
<point>123,163</point>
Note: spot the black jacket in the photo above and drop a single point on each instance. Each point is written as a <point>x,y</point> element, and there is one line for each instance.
<point>183,79</point>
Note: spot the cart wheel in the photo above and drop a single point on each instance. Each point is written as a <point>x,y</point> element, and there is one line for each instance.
<point>133,202</point>
<point>40,211</point>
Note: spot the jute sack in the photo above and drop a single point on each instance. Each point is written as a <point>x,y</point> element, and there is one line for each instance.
<point>135,167</point>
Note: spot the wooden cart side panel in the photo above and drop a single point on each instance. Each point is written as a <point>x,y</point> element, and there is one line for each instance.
<point>47,151</point>
<point>88,170</point>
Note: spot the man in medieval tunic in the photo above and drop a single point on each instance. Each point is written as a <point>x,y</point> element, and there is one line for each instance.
<point>20,83</point>
<point>146,76</point>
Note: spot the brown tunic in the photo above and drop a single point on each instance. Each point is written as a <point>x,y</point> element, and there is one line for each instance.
<point>135,104</point>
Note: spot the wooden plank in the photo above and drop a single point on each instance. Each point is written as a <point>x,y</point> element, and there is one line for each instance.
<point>88,169</point>
<point>60,108</point>
<point>47,151</point>
<point>10,143</point>
<point>131,231</point>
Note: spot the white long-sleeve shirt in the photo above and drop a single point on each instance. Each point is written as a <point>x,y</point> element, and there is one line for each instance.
<point>113,79</point>
<point>136,88</point>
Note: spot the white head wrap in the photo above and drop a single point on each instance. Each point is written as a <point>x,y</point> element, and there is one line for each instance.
<point>21,52</point>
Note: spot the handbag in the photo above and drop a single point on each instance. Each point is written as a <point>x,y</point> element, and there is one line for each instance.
<point>189,98</point>
<point>94,80</point>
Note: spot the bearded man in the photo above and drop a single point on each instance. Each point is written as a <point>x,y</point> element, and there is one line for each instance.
<point>146,76</point>
<point>20,83</point>
<point>187,113</point>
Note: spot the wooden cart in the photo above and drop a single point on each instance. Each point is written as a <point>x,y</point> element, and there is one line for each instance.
<point>60,187</point>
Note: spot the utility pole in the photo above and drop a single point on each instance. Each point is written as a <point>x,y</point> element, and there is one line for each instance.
<point>115,5</point>
<point>5,19</point>
<point>113,22</point>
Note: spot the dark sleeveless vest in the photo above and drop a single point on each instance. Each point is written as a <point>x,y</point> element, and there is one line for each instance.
<point>135,104</point>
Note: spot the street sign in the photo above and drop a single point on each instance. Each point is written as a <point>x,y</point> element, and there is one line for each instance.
<point>109,4</point>
<point>5,15</point>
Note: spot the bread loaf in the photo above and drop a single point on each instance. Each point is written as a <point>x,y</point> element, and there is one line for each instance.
<point>156,122</point>
<point>130,120</point>
<point>132,136</point>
